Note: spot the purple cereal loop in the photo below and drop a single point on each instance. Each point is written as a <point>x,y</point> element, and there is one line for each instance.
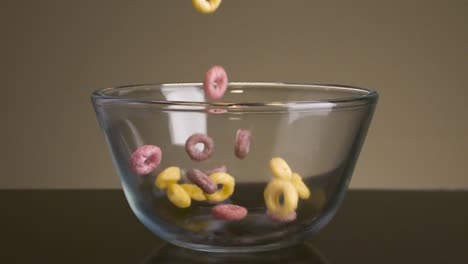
<point>193,152</point>
<point>202,181</point>
<point>218,169</point>
<point>216,82</point>
<point>145,159</point>
<point>242,145</point>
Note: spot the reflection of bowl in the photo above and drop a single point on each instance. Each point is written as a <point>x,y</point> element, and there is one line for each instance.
<point>317,129</point>
<point>301,253</point>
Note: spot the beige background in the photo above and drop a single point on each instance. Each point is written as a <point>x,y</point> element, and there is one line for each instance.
<point>55,52</point>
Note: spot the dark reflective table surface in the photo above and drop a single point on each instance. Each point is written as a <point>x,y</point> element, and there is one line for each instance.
<point>303,253</point>
<point>97,226</point>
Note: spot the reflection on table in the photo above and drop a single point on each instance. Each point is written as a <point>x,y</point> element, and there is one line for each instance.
<point>302,253</point>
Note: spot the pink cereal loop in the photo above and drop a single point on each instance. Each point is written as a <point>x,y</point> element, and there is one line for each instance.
<point>242,145</point>
<point>216,82</point>
<point>216,111</point>
<point>229,212</point>
<point>282,219</point>
<point>145,159</point>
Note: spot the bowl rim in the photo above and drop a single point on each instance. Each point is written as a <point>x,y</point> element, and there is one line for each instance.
<point>365,98</point>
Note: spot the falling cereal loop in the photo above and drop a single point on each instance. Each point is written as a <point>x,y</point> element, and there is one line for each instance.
<point>242,145</point>
<point>216,82</point>
<point>193,152</point>
<point>145,159</point>
<point>206,6</point>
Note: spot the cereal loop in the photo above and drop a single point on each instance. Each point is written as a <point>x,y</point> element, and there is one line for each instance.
<point>216,82</point>
<point>242,145</point>
<point>280,169</point>
<point>228,187</point>
<point>167,177</point>
<point>282,219</point>
<point>206,6</point>
<point>193,191</point>
<point>216,111</point>
<point>230,212</point>
<point>302,189</point>
<point>222,168</point>
<point>274,190</point>
<point>145,159</point>
<point>178,196</point>
<point>202,181</point>
<point>193,152</point>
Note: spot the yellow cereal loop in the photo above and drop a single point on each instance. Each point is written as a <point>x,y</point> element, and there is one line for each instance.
<point>167,177</point>
<point>178,196</point>
<point>302,189</point>
<point>274,190</point>
<point>228,183</point>
<point>206,6</point>
<point>280,169</point>
<point>193,191</point>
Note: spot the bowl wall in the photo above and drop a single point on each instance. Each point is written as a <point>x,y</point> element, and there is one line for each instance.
<point>319,137</point>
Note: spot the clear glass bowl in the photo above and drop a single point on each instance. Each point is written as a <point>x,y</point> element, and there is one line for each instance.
<point>317,129</point>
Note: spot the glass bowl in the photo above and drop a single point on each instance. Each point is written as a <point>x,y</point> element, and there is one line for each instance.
<point>318,130</point>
